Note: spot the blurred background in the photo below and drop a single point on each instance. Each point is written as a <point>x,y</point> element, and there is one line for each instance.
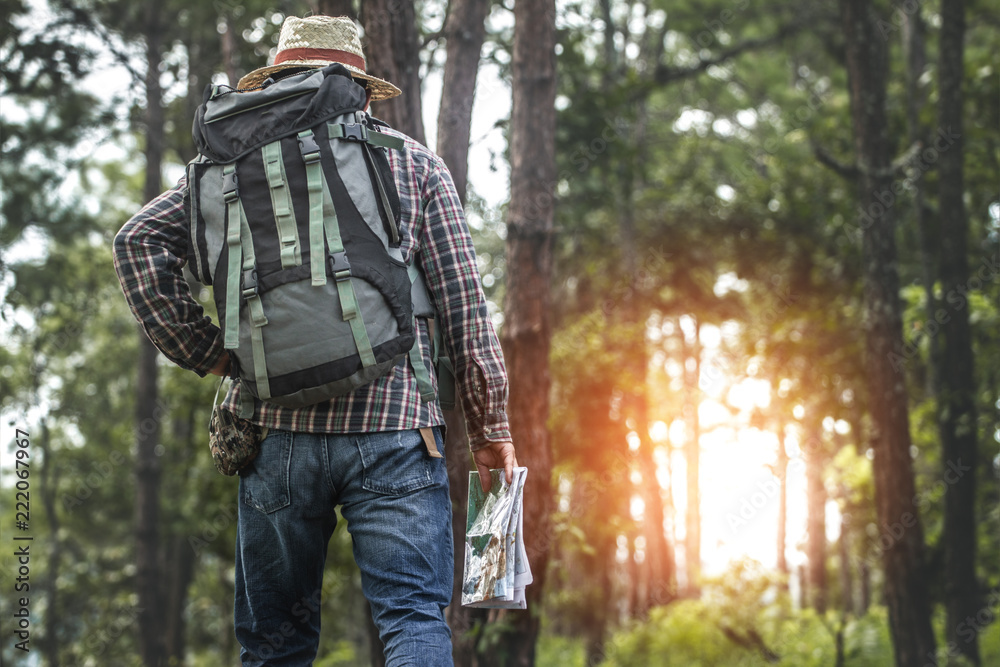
<point>743,256</point>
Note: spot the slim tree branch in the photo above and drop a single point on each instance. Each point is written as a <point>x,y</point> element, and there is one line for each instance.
<point>852,171</point>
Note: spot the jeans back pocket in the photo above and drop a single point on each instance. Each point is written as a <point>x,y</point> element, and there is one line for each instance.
<point>264,483</point>
<point>395,462</point>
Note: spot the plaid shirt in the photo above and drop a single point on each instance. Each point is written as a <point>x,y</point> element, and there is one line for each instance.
<point>151,249</point>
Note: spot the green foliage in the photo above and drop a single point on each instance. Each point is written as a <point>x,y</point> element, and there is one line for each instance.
<point>559,651</point>
<point>746,620</point>
<point>668,181</point>
<point>45,116</point>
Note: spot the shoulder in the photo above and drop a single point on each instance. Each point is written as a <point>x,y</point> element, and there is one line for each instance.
<point>415,156</point>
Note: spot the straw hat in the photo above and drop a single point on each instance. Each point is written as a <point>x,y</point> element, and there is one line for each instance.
<point>317,41</point>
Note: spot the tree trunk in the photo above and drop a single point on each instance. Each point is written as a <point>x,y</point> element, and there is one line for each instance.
<point>463,621</point>
<point>599,565</point>
<point>847,605</point>
<point>48,487</point>
<point>375,645</point>
<point>916,62</point>
<point>229,52</point>
<point>527,327</point>
<point>956,398</point>
<point>335,8</point>
<point>865,575</point>
<point>180,571</point>
<point>782,473</point>
<point>464,30</point>
<point>636,362</point>
<point>392,47</point>
<point>803,586</point>
<point>692,455</point>
<point>151,618</point>
<point>905,576</point>
<point>816,513</point>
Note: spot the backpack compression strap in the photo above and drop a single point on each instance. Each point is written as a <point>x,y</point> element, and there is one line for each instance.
<point>242,259</point>
<point>418,291</point>
<point>281,201</point>
<point>322,213</point>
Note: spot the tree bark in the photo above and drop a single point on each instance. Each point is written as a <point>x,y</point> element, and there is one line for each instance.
<point>905,576</point>
<point>462,620</point>
<point>527,328</point>
<point>803,586</point>
<point>782,473</point>
<point>847,605</point>
<point>916,62</point>
<point>180,571</point>
<point>692,456</point>
<point>392,47</point>
<point>151,618</point>
<point>48,487</point>
<point>816,513</point>
<point>659,561</point>
<point>956,398</point>
<point>375,646</point>
<point>335,8</point>
<point>865,575</point>
<point>464,30</point>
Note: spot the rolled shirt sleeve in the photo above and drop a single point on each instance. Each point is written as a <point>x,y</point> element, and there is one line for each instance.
<point>448,261</point>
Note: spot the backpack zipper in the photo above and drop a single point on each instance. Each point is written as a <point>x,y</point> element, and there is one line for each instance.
<point>262,104</point>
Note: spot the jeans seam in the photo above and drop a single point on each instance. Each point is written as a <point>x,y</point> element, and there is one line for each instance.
<point>327,468</point>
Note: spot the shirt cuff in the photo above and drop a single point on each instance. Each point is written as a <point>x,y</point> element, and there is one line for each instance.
<point>201,359</point>
<point>487,430</point>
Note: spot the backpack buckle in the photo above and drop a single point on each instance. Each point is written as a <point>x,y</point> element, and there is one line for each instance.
<point>355,132</point>
<point>339,266</point>
<point>230,191</point>
<point>309,148</point>
<point>249,283</point>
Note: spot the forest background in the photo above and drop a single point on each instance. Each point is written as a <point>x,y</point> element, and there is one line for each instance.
<point>745,274</point>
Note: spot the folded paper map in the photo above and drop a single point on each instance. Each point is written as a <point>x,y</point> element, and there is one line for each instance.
<point>496,563</point>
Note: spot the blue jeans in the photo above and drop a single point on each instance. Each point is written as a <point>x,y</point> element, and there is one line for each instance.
<point>395,499</point>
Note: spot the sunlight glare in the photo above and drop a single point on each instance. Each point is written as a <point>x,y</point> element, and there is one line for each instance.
<point>749,394</point>
<point>637,508</point>
<point>658,431</point>
<point>711,414</point>
<point>633,441</point>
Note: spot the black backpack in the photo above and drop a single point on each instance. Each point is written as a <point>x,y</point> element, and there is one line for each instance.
<point>293,215</point>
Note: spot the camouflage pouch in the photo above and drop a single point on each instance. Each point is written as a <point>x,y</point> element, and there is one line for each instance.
<point>234,442</point>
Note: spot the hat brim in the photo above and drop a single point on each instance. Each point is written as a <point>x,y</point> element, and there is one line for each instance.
<point>380,89</point>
